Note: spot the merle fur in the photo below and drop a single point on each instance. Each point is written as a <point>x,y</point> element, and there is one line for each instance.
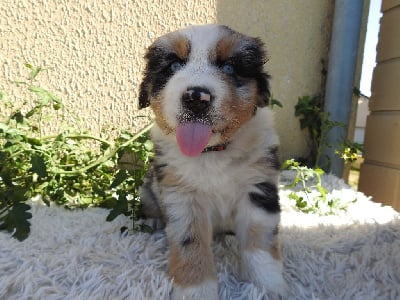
<point>157,73</point>
<point>273,158</point>
<point>247,62</point>
<point>267,198</point>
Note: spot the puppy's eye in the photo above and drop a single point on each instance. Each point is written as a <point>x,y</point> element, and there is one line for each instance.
<point>228,69</point>
<point>176,66</point>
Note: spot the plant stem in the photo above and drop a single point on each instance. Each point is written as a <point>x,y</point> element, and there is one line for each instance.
<point>78,137</point>
<point>5,209</point>
<point>104,158</point>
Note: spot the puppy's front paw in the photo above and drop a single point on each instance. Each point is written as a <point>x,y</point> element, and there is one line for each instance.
<point>260,268</point>
<point>207,290</point>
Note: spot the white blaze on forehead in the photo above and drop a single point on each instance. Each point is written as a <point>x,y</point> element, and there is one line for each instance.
<point>202,39</point>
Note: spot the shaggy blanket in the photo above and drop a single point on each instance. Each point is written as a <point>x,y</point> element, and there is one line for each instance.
<point>78,255</point>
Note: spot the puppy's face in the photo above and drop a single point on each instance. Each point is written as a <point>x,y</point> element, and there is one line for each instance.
<point>203,83</point>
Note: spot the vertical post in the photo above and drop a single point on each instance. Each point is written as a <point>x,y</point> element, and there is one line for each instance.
<point>340,80</point>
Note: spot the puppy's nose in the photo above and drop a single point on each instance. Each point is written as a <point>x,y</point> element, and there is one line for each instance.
<point>197,99</point>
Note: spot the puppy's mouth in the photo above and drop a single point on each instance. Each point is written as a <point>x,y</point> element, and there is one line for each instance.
<point>192,137</point>
<point>193,132</point>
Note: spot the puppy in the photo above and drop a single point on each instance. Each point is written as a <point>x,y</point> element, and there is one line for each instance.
<point>216,165</point>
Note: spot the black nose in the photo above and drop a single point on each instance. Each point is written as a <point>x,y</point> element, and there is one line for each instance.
<point>197,99</point>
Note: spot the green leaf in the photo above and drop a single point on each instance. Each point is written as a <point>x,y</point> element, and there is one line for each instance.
<point>119,178</point>
<point>17,194</point>
<point>16,220</point>
<point>121,207</point>
<point>41,94</point>
<point>18,117</point>
<point>123,229</point>
<point>3,127</point>
<point>97,190</point>
<point>34,72</point>
<point>148,145</point>
<point>6,177</point>
<point>146,228</point>
<point>44,96</point>
<point>31,112</point>
<point>2,95</point>
<point>57,106</point>
<point>275,102</point>
<point>323,191</point>
<point>293,196</point>
<point>356,91</point>
<point>38,165</point>
<point>34,141</point>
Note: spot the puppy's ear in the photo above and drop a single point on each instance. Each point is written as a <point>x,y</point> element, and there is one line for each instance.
<point>263,92</point>
<point>144,94</point>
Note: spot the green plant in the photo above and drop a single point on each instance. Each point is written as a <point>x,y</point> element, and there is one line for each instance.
<point>72,168</point>
<point>350,151</point>
<point>274,102</point>
<point>312,117</point>
<point>312,196</point>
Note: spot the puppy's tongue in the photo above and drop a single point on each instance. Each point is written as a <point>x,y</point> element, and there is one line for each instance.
<point>192,138</point>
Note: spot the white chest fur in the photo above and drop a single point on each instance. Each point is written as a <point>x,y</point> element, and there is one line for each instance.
<point>221,179</point>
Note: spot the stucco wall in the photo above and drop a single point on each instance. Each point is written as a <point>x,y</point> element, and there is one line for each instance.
<point>95,49</point>
<point>297,36</point>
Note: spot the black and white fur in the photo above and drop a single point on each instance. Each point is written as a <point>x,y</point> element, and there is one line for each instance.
<point>217,191</point>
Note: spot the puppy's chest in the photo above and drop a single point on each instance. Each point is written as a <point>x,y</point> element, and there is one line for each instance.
<point>216,183</point>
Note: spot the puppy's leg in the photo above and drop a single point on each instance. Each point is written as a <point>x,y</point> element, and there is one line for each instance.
<point>151,210</point>
<point>257,226</point>
<point>191,263</point>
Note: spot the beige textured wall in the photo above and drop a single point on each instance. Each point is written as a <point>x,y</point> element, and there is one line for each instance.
<point>297,35</point>
<point>96,47</point>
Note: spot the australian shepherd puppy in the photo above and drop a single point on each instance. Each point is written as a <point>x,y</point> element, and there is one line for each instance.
<point>216,165</point>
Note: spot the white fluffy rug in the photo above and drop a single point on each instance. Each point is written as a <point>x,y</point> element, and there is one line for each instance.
<point>78,255</point>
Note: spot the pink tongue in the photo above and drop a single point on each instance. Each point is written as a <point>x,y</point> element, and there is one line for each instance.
<point>192,138</point>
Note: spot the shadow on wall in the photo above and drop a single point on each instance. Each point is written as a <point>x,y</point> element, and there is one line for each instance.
<point>297,36</point>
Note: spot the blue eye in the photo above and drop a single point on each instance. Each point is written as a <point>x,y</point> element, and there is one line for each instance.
<point>228,69</point>
<point>176,66</point>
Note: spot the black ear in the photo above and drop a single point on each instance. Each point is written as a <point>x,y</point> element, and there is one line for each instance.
<point>144,94</point>
<point>263,92</point>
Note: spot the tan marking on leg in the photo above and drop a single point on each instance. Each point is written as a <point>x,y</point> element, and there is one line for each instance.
<point>256,238</point>
<point>275,249</point>
<point>193,263</point>
<point>260,238</point>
